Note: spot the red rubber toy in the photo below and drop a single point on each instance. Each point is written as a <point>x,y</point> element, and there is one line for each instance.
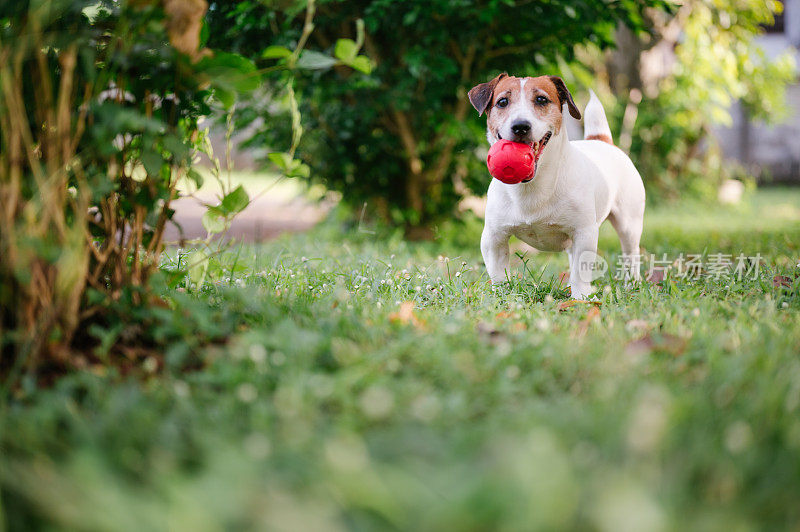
<point>511,162</point>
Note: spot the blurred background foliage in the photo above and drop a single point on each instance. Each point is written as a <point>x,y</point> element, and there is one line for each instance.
<point>402,140</point>
<point>666,88</point>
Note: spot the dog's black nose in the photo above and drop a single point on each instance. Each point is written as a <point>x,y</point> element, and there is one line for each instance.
<point>521,128</point>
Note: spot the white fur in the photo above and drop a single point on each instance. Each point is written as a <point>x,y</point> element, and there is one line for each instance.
<point>577,185</point>
<point>594,118</point>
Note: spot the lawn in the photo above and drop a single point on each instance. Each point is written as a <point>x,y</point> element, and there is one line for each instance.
<point>347,379</point>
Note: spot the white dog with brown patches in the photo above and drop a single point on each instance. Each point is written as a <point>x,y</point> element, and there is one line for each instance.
<point>575,187</point>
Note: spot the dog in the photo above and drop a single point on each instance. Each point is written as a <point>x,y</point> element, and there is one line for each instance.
<point>576,185</point>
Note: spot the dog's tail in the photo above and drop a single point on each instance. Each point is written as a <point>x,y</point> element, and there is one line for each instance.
<point>595,123</point>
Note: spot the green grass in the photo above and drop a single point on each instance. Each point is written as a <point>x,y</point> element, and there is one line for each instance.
<point>329,407</point>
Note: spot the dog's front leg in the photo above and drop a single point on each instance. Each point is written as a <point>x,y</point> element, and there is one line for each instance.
<point>582,258</point>
<point>494,248</point>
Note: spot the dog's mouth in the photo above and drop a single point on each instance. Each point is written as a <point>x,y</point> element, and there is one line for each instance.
<point>538,149</point>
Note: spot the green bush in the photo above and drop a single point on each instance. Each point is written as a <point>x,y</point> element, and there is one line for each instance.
<point>716,63</point>
<point>99,109</point>
<point>402,139</point>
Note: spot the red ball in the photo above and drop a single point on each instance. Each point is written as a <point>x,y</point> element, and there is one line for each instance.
<point>511,162</point>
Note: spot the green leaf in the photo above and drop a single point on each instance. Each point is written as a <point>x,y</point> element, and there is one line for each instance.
<point>311,60</point>
<point>281,160</point>
<point>290,167</point>
<point>346,50</point>
<point>236,200</point>
<point>275,52</point>
<point>204,34</point>
<point>175,146</point>
<point>226,96</point>
<point>362,64</point>
<point>298,169</point>
<point>195,176</point>
<point>152,162</point>
<point>213,222</point>
<point>229,74</point>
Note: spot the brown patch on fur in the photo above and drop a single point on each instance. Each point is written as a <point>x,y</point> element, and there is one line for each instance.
<point>484,98</point>
<point>603,137</point>
<point>480,96</point>
<point>509,87</point>
<point>564,96</point>
<point>544,84</point>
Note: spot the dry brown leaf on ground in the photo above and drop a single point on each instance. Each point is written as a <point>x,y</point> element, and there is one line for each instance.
<point>656,276</point>
<point>406,315</point>
<point>592,315</point>
<point>569,303</point>
<point>782,281</point>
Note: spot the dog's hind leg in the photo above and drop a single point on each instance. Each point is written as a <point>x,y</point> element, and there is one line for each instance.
<point>629,230</point>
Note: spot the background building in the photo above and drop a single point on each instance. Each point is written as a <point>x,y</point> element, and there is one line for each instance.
<point>771,152</point>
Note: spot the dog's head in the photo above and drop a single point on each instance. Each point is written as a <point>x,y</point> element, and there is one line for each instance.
<point>527,110</point>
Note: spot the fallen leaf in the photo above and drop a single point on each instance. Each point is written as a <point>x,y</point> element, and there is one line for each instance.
<point>592,315</point>
<point>405,314</point>
<point>782,281</point>
<point>569,303</point>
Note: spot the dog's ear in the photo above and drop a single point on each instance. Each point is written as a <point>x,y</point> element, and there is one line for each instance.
<point>480,96</point>
<point>564,96</point>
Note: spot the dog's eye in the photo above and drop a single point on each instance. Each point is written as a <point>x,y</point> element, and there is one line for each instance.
<point>541,100</point>
<point>502,102</point>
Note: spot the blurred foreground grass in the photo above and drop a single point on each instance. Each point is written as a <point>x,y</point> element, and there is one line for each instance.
<point>329,402</point>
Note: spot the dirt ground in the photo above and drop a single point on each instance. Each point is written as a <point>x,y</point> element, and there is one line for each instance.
<point>264,219</point>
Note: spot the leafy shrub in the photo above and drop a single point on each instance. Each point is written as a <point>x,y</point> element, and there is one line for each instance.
<point>401,139</point>
<point>716,63</point>
<point>98,122</point>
